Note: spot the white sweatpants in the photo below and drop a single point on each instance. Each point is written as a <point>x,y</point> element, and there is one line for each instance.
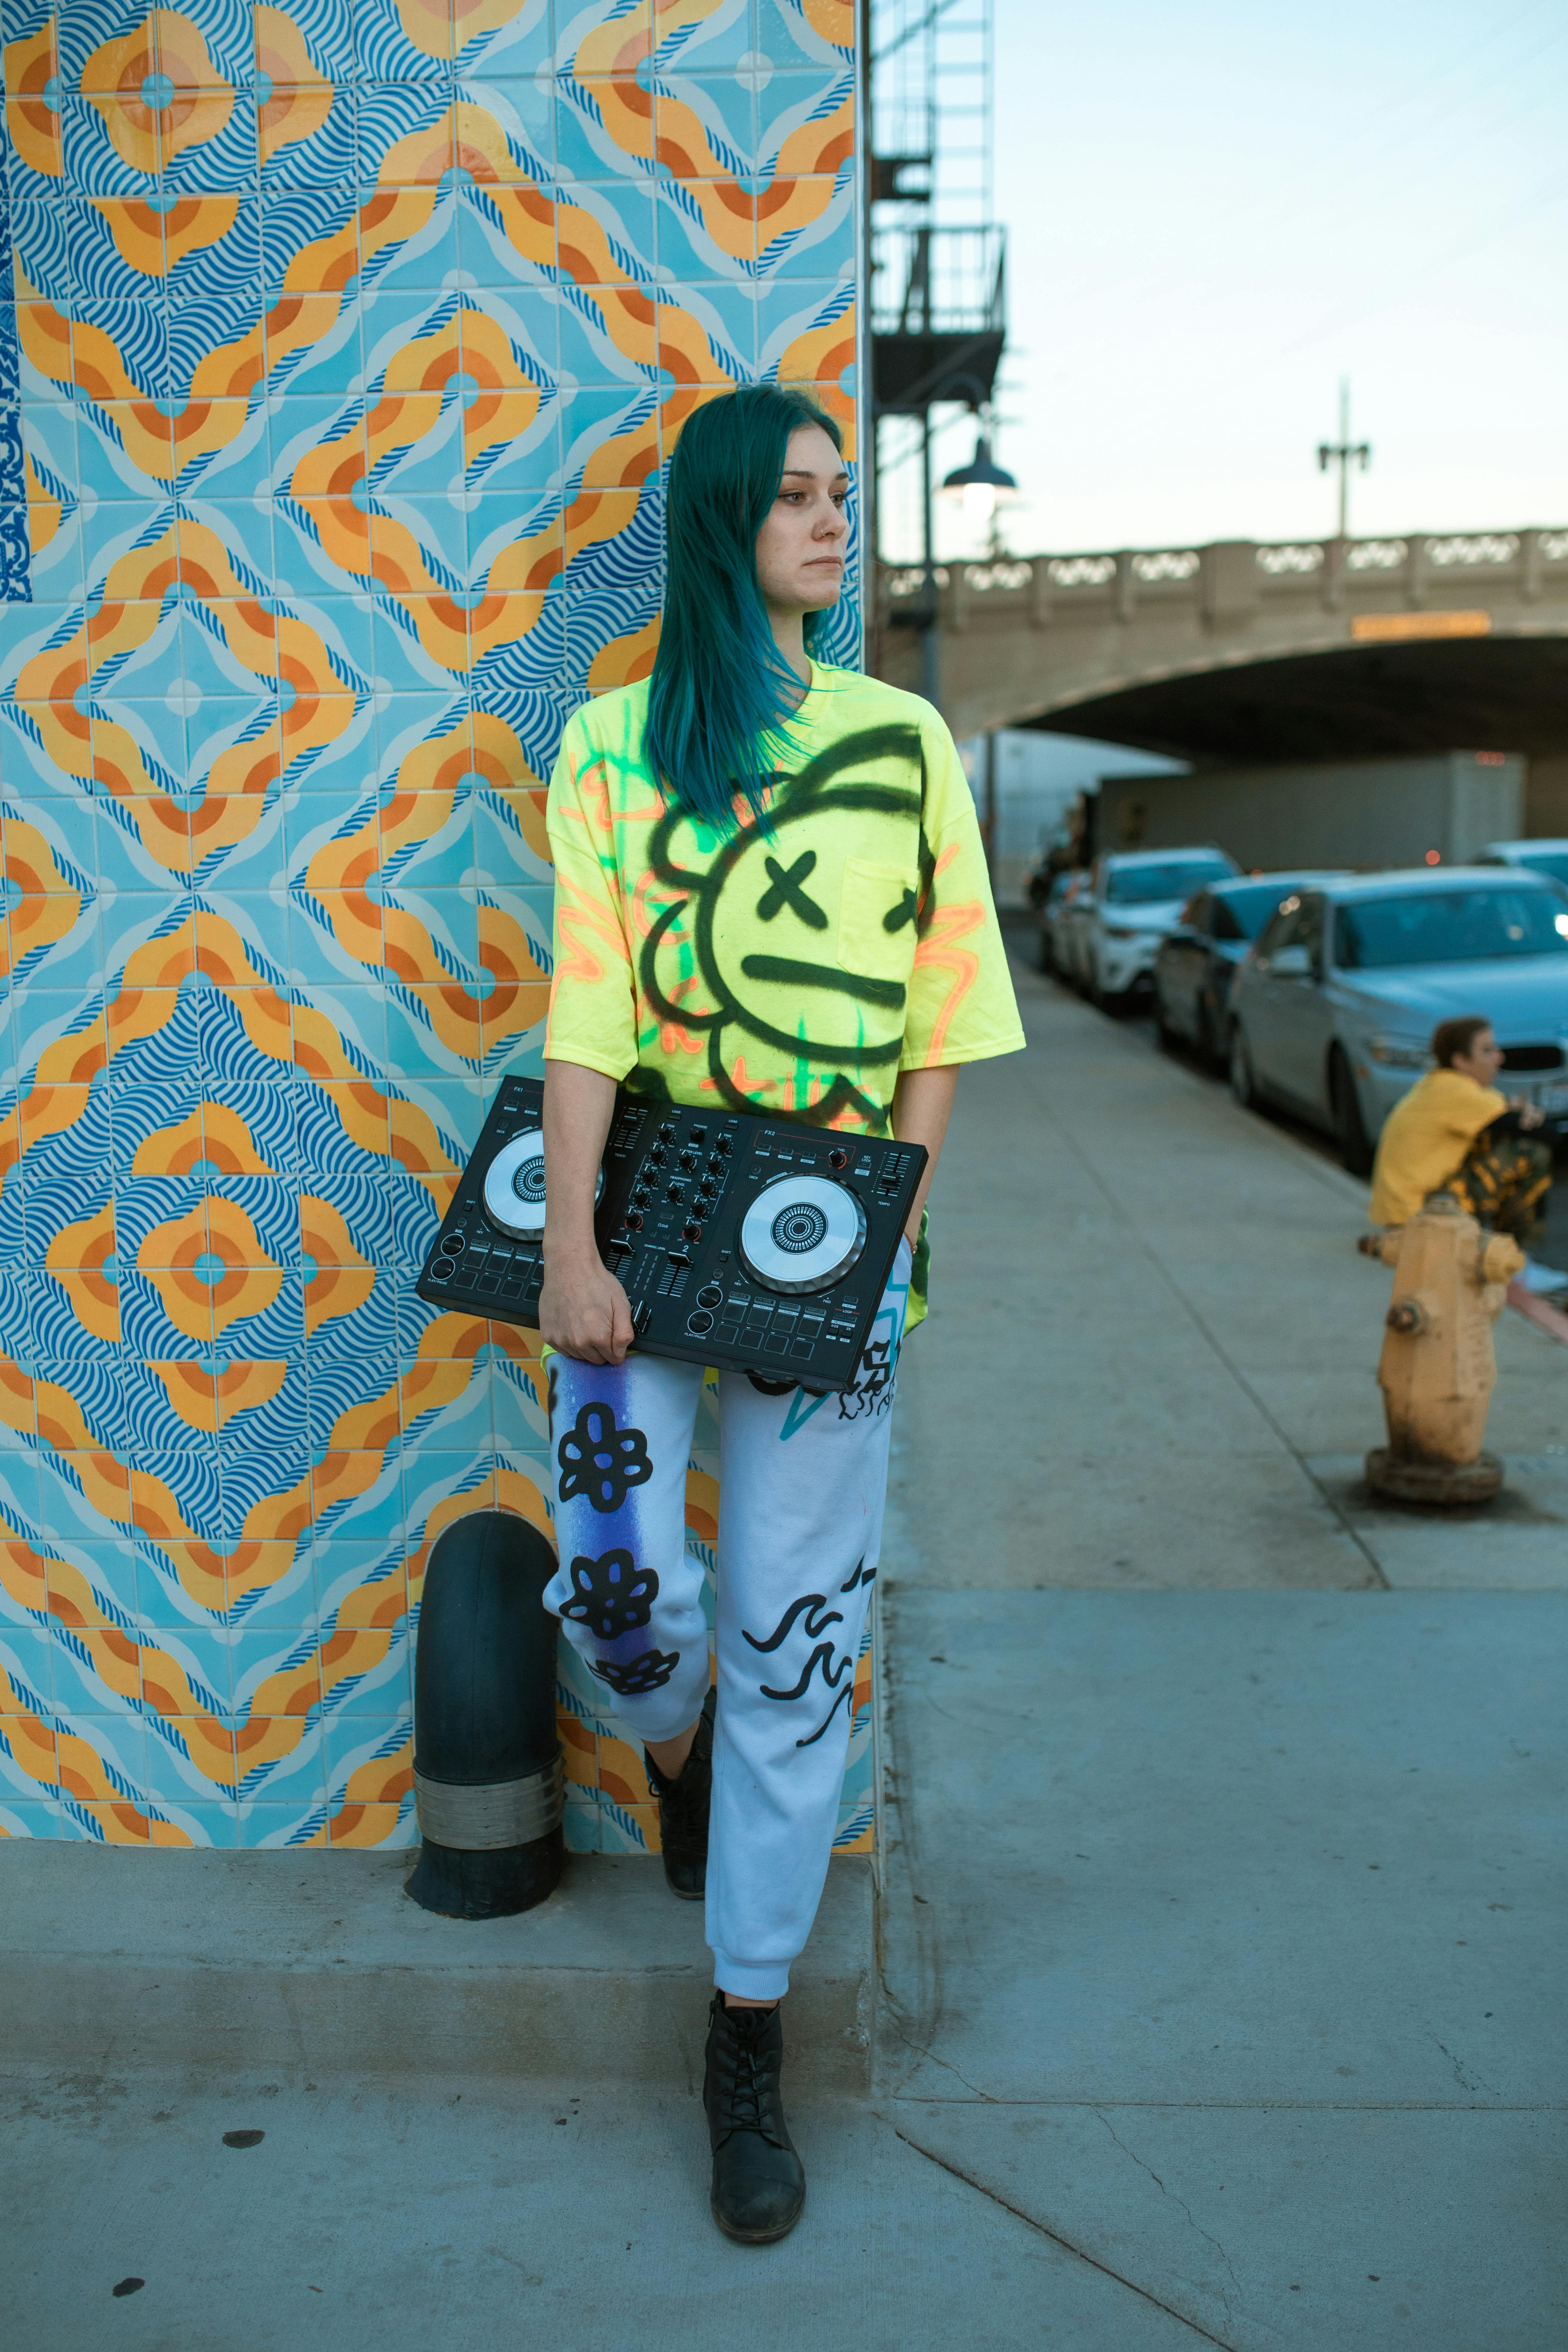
<point>802,1481</point>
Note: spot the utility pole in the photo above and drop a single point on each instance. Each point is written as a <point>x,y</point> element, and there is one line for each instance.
<point>1344,453</point>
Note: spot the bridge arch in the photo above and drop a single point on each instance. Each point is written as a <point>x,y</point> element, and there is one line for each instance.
<point>1245,652</point>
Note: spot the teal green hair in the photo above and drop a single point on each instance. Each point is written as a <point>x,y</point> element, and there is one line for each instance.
<point>721,692</point>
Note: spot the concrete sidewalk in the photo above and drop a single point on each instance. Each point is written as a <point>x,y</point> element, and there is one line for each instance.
<point>1220,1932</point>
<point>1152,1355</point>
<point>1222,1919</point>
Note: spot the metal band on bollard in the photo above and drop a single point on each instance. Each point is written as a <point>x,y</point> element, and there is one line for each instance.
<point>475,1818</point>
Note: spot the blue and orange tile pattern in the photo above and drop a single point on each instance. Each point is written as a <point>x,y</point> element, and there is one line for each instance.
<point>342,345</point>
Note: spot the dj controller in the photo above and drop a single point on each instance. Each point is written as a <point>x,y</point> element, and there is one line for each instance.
<point>753,1245</point>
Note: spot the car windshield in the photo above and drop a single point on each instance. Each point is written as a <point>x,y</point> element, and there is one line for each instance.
<point>1448,926</point>
<point>1241,914</point>
<point>1143,885</point>
<point>1552,862</point>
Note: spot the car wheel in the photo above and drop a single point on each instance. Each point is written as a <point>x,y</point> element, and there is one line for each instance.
<point>1166,1036</point>
<point>1355,1151</point>
<point>1044,960</point>
<point>1243,1077</point>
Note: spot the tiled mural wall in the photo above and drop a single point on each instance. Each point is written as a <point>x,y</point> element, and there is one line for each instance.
<point>351,338</point>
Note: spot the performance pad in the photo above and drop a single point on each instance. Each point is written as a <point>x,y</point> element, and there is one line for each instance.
<point>753,1245</point>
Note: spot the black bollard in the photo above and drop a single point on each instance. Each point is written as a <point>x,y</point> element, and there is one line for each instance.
<point>487,1766</point>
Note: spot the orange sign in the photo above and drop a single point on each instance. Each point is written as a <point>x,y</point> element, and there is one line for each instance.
<point>1398,628</point>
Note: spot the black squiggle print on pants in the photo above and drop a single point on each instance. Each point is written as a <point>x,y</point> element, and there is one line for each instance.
<point>812,1611</point>
<point>815,1625</point>
<point>813,1738</point>
<point>832,1676</point>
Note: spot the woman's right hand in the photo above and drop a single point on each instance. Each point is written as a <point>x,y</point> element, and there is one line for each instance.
<point>583,1311</point>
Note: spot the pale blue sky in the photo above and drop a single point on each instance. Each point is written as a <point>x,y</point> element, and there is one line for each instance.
<point>1216,210</point>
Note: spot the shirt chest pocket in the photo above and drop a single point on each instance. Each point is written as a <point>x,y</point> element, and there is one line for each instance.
<point>877,920</point>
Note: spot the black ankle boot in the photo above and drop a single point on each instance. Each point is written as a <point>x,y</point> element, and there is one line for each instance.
<point>683,1809</point>
<point>759,2181</point>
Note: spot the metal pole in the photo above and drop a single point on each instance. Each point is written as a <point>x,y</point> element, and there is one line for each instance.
<point>930,634</point>
<point>989,804</point>
<point>1344,457</point>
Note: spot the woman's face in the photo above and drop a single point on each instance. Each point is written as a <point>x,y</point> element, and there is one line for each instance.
<point>800,547</point>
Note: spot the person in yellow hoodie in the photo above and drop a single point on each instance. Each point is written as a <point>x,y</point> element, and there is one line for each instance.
<point>1455,1132</point>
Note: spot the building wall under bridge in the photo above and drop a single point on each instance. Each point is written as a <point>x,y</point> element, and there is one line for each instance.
<point>350,344</point>
<point>1366,813</point>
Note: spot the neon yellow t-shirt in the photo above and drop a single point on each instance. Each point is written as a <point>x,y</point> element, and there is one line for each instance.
<point>797,969</point>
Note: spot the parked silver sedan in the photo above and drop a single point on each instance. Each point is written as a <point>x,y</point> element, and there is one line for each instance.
<point>1197,963</point>
<point>1331,1011</point>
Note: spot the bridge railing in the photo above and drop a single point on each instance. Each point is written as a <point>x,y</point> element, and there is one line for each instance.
<point>1231,577</point>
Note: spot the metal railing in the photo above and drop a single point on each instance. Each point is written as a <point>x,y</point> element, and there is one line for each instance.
<point>938,281</point>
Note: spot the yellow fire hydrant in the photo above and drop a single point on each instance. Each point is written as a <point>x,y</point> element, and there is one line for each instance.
<point>1437,1370</point>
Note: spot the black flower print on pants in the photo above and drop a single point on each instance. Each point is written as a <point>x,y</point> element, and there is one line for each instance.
<point>610,1595</point>
<point>601,1462</point>
<point>639,1676</point>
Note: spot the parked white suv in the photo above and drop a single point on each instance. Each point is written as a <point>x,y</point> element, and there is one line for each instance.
<point>1110,933</point>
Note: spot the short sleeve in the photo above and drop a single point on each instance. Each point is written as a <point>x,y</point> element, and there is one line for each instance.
<point>1465,1110</point>
<point>592,995</point>
<point>1477,1115</point>
<point>961,1002</point>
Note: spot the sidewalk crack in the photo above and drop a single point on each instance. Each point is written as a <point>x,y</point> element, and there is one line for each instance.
<point>1466,2076</point>
<point>1056,2239</point>
<point>919,2050</point>
<point>1182,2201</point>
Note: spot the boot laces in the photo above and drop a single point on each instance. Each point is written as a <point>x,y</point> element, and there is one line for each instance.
<point>748,2081</point>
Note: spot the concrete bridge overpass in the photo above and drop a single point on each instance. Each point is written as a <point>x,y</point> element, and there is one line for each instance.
<point>1318,650</point>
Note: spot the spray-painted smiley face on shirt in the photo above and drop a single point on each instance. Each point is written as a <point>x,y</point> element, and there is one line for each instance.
<point>800,938</point>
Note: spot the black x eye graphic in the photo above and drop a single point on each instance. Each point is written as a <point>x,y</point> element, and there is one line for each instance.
<point>904,912</point>
<point>786,891</point>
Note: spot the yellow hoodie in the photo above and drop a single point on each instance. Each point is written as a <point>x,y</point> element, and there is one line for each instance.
<point>1425,1139</point>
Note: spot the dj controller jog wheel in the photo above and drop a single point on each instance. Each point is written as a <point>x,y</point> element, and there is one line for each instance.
<point>514,1187</point>
<point>801,1233</point>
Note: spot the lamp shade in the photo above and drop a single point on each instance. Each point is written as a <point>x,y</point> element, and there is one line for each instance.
<point>981,473</point>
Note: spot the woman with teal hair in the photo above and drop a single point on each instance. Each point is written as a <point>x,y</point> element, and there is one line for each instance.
<point>770,900</point>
